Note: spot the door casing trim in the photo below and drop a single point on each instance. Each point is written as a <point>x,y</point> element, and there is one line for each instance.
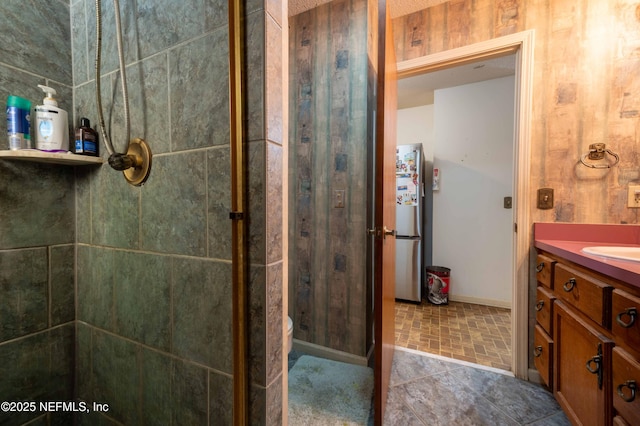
<point>522,45</point>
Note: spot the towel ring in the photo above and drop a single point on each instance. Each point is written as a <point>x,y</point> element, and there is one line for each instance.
<point>596,152</point>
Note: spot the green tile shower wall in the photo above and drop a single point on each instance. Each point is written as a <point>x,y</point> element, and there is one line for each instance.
<point>154,263</point>
<point>38,367</point>
<point>152,336</point>
<point>37,222</point>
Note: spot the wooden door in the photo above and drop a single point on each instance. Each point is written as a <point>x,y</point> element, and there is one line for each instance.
<point>385,212</point>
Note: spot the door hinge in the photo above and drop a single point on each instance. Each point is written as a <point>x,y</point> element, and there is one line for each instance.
<point>376,232</point>
<point>515,227</point>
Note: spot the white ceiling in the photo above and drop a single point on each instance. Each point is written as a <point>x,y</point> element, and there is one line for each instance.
<point>418,90</point>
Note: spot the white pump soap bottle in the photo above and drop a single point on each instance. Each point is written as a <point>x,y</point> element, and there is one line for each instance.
<point>52,128</point>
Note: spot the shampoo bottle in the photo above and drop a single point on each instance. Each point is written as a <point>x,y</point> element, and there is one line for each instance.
<point>86,142</point>
<point>52,131</point>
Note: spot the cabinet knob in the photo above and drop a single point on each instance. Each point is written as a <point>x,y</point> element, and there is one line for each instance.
<point>631,385</point>
<point>631,313</point>
<point>537,351</point>
<point>569,285</point>
<point>539,305</point>
<point>540,267</point>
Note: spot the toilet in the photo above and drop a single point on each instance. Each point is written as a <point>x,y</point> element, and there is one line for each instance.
<point>289,334</point>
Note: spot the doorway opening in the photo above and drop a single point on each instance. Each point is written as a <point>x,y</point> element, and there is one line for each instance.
<point>518,47</point>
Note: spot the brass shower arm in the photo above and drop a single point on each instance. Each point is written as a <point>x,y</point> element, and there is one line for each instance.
<point>135,164</point>
<point>122,162</point>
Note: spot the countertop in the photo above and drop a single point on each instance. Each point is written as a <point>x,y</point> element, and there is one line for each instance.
<point>568,239</point>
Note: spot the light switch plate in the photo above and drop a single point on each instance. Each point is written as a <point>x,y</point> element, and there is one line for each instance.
<point>338,198</point>
<point>633,196</point>
<point>545,198</point>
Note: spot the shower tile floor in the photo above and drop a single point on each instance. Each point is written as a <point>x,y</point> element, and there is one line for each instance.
<point>463,331</point>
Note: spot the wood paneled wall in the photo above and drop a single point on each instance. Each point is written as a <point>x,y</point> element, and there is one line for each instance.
<point>328,152</point>
<point>586,90</point>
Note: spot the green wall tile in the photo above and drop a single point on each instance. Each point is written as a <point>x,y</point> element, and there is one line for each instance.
<point>96,270</point>
<point>33,27</point>
<point>199,92</point>
<point>62,292</point>
<point>156,388</point>
<point>116,376</point>
<point>188,394</point>
<point>141,298</point>
<point>220,399</point>
<point>202,312</point>
<point>219,199</point>
<point>37,205</point>
<point>23,291</point>
<point>174,205</point>
<point>185,18</point>
<point>114,210</point>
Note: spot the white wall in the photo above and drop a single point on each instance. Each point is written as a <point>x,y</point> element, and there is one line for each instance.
<point>472,232</point>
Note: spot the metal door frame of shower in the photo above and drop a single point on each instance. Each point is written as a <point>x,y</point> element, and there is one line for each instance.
<point>522,45</point>
<point>239,266</point>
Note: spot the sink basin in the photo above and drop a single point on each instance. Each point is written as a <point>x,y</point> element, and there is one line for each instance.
<point>624,253</point>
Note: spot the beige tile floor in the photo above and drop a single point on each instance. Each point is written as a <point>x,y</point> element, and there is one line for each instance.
<point>464,331</point>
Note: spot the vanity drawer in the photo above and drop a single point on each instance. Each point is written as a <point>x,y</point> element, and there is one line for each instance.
<point>589,295</point>
<point>543,355</point>
<point>544,309</point>
<point>544,270</point>
<point>626,386</point>
<point>625,323</point>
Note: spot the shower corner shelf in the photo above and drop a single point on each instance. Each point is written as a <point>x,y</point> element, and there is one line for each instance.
<point>65,158</point>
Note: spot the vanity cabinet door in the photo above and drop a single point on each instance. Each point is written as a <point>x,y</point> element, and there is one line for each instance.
<point>582,368</point>
<point>626,386</point>
<point>544,270</point>
<point>589,295</point>
<point>625,323</point>
<point>544,309</point>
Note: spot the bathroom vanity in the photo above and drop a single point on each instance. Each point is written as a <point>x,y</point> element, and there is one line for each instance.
<point>587,332</point>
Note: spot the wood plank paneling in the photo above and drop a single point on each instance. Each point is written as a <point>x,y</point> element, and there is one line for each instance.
<point>328,79</point>
<point>301,138</point>
<point>586,85</point>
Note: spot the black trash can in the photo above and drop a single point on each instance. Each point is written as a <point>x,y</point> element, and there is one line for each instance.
<point>438,284</point>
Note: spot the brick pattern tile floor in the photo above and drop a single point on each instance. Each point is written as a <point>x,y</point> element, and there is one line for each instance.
<point>465,331</point>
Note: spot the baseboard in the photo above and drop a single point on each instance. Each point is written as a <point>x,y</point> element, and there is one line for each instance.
<point>328,353</point>
<point>480,301</point>
<point>534,376</point>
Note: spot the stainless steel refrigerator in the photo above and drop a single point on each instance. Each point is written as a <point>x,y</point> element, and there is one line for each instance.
<point>409,207</point>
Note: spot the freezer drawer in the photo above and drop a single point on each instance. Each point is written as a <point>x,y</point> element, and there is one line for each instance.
<point>408,269</point>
